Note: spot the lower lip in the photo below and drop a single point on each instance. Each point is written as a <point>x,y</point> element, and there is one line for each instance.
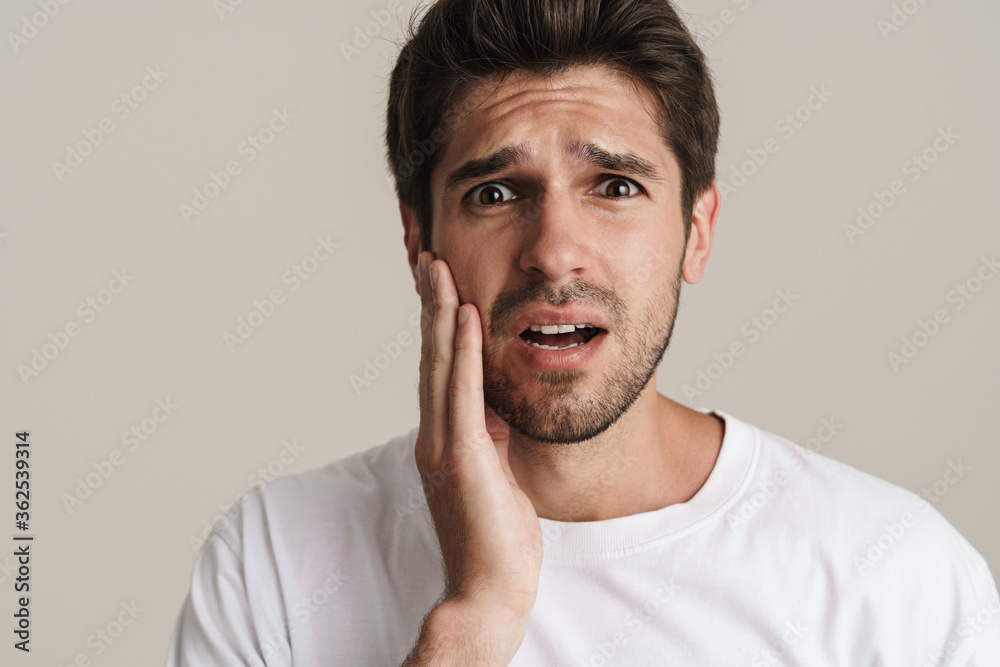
<point>556,360</point>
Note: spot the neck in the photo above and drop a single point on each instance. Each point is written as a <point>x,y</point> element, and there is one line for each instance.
<point>658,453</point>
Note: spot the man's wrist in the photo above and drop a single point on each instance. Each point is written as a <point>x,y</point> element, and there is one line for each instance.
<point>458,632</point>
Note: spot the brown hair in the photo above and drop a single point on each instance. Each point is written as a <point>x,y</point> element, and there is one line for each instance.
<point>459,44</point>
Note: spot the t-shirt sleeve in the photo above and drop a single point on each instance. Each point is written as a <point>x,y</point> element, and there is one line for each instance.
<point>962,607</point>
<point>974,640</point>
<point>214,626</point>
<point>229,617</point>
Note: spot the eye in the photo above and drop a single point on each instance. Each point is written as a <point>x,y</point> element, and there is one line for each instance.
<point>490,194</point>
<point>621,187</point>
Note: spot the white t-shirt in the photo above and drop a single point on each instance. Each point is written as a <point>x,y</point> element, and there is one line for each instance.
<point>783,557</point>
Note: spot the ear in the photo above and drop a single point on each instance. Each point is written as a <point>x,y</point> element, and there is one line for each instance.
<point>699,243</point>
<point>411,239</point>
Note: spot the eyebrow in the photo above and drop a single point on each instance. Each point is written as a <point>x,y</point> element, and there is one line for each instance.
<point>629,163</point>
<point>582,151</point>
<point>505,158</point>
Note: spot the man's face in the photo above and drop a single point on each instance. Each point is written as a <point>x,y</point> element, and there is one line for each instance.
<point>568,200</point>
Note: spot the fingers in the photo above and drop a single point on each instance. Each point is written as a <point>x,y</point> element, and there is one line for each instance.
<point>476,428</point>
<point>438,326</point>
<point>468,418</point>
<point>426,326</point>
<point>445,302</point>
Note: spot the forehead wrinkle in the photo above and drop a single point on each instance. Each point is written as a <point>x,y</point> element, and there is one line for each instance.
<point>516,98</point>
<point>513,101</point>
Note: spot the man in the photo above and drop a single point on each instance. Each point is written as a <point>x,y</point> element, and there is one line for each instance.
<point>552,508</point>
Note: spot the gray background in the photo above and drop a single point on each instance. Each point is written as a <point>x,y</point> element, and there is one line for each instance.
<point>161,337</point>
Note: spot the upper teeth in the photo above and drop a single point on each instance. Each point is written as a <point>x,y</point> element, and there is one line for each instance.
<point>559,328</point>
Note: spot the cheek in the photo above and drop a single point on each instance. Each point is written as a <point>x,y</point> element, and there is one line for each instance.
<point>649,274</point>
<point>467,272</point>
<point>645,262</point>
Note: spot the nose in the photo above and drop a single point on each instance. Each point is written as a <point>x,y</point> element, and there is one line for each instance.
<point>557,239</point>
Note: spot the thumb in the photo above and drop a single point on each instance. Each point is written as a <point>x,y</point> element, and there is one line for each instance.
<point>496,426</point>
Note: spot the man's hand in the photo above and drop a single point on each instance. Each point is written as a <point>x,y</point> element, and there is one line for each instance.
<point>488,529</point>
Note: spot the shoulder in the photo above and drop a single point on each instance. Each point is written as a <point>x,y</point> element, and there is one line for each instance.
<point>805,497</point>
<point>257,576</point>
<point>369,474</point>
<point>349,492</point>
<point>802,478</point>
<point>891,556</point>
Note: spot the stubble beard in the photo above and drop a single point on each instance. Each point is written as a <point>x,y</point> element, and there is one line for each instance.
<point>564,411</point>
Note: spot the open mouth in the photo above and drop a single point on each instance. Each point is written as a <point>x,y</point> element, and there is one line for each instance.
<point>559,336</point>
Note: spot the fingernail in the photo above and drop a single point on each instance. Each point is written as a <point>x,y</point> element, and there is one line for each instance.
<point>434,276</point>
<point>463,315</point>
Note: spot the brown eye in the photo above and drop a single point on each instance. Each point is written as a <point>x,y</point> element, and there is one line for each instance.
<point>491,194</point>
<point>619,188</point>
